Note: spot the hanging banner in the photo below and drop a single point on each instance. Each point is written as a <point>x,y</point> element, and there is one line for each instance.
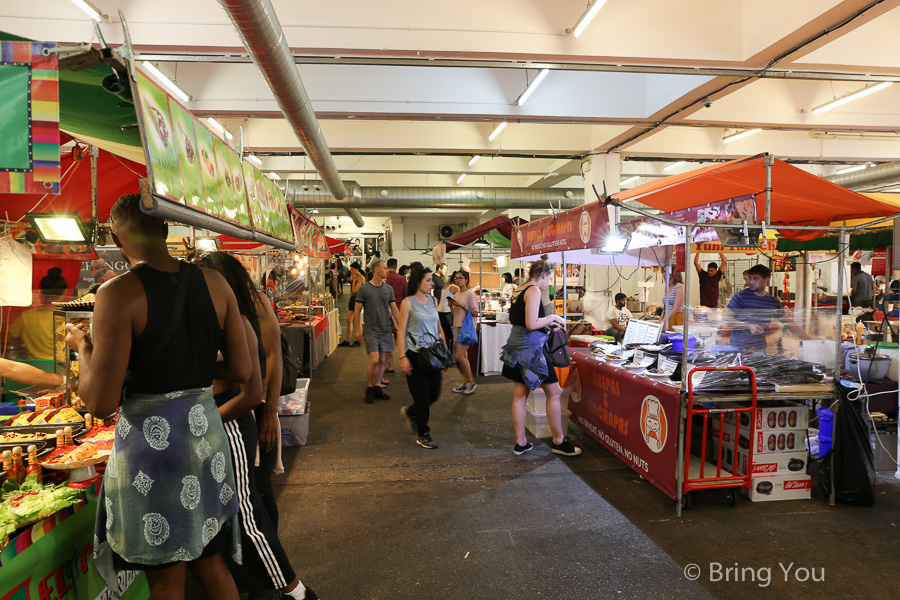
<point>647,232</point>
<point>29,121</point>
<point>574,229</point>
<point>189,164</point>
<point>879,262</point>
<point>310,237</point>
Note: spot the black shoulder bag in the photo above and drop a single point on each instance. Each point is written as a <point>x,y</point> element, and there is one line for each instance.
<point>433,357</point>
<point>184,278</point>
<point>558,346</point>
<point>290,367</point>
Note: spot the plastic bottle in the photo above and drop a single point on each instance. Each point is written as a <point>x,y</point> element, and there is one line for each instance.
<point>18,465</point>
<point>88,421</point>
<point>7,465</point>
<point>859,332</point>
<point>33,465</point>
<point>68,435</point>
<point>60,439</point>
<point>22,407</point>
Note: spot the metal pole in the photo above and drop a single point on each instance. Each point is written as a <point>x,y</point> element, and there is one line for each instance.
<point>686,306</point>
<point>843,246</point>
<point>565,288</point>
<point>769,161</point>
<point>682,414</point>
<point>95,154</point>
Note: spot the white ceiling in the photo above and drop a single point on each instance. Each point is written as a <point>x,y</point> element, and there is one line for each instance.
<point>413,124</point>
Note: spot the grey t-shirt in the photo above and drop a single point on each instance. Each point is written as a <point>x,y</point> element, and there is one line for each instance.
<point>376,301</point>
<point>863,282</point>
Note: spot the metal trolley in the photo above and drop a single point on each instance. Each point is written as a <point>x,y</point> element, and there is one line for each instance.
<point>696,468</point>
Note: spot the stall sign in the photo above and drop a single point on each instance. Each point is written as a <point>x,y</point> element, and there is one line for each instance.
<point>29,94</point>
<point>716,247</point>
<point>647,232</point>
<point>189,164</point>
<point>784,264</point>
<point>635,418</point>
<point>879,262</point>
<point>575,229</point>
<point>574,276</point>
<point>310,237</point>
<point>54,559</point>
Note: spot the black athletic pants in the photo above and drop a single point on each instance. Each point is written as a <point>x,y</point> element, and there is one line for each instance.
<point>425,387</point>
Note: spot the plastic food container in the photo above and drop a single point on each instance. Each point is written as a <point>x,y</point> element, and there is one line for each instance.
<point>678,342</point>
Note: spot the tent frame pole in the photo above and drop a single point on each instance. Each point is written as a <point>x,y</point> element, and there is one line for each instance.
<point>95,230</point>
<point>769,161</point>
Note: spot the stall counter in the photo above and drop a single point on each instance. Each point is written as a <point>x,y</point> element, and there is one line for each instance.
<point>633,417</point>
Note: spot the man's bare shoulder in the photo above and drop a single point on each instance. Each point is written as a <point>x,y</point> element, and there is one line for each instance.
<point>124,287</point>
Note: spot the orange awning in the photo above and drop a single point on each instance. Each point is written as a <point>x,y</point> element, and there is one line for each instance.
<point>798,197</point>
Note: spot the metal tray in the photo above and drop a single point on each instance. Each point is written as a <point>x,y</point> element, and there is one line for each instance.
<point>76,427</point>
<point>41,444</point>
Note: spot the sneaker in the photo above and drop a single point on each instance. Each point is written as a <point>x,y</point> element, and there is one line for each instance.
<point>344,343</point>
<point>310,595</point>
<point>410,422</point>
<point>470,388</point>
<point>517,449</point>
<point>389,371</point>
<point>461,389</point>
<point>370,395</point>
<point>379,394</point>
<point>426,442</point>
<point>354,344</point>
<point>565,448</point>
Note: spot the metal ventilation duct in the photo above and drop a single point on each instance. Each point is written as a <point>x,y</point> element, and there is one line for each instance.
<point>257,25</point>
<point>879,176</point>
<point>304,194</point>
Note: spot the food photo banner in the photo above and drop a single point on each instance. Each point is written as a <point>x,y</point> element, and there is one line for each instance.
<point>29,118</point>
<point>575,229</point>
<point>310,237</point>
<point>190,165</point>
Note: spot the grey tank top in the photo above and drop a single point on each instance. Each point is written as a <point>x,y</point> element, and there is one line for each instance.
<point>422,326</point>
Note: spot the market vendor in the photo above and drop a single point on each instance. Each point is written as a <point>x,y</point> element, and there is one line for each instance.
<point>862,287</point>
<point>29,375</point>
<point>752,310</point>
<point>709,281</point>
<point>618,317</point>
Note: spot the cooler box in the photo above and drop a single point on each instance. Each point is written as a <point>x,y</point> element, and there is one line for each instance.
<point>294,429</point>
<point>295,404</point>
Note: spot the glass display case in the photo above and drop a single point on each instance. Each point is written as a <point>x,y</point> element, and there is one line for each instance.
<point>65,362</point>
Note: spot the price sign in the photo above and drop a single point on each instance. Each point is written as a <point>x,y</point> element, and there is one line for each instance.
<point>669,365</point>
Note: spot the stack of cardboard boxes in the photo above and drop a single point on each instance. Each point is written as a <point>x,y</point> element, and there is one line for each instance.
<point>779,456</point>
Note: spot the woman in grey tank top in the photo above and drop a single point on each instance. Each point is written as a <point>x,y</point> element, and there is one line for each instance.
<point>419,327</point>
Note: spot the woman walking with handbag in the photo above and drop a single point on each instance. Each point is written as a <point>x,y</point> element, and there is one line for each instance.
<point>463,302</point>
<point>526,359</point>
<point>417,334</point>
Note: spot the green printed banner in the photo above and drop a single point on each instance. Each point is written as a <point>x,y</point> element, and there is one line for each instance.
<point>226,183</point>
<point>251,176</point>
<point>188,160</point>
<point>208,170</point>
<point>160,140</point>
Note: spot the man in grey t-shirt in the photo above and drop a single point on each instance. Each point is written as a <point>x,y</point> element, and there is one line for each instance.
<point>861,287</point>
<point>380,306</point>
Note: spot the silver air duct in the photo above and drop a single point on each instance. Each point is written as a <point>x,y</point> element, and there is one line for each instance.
<point>305,194</point>
<point>257,25</point>
<point>871,179</point>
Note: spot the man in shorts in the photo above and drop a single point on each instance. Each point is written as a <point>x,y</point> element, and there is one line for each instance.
<point>377,298</point>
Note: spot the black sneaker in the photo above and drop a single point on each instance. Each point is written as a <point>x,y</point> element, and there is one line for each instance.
<point>389,371</point>
<point>565,448</point>
<point>354,344</point>
<point>410,422</point>
<point>370,395</point>
<point>344,343</point>
<point>426,442</point>
<point>378,393</point>
<point>517,449</point>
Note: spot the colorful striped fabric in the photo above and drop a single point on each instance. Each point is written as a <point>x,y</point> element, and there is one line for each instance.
<point>42,175</point>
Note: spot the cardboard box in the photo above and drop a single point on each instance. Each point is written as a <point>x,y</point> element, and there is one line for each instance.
<point>779,463</point>
<point>787,416</point>
<point>294,429</point>
<point>765,441</point>
<point>770,488</point>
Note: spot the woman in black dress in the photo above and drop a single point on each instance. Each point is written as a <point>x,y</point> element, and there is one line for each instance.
<point>526,359</point>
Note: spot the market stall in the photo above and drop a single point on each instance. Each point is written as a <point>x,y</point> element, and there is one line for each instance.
<point>799,205</point>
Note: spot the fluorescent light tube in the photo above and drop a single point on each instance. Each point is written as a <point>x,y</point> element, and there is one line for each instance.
<point>163,79</point>
<point>630,180</point>
<point>497,131</point>
<point>220,128</point>
<point>850,97</point>
<point>851,169</point>
<point>587,17</point>
<point>461,177</point>
<point>274,175</point>
<point>675,165</point>
<point>474,159</point>
<point>89,9</point>
<point>739,135</point>
<point>532,86</point>
<point>254,159</point>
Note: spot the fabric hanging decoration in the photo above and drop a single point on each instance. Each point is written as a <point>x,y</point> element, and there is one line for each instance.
<point>15,265</point>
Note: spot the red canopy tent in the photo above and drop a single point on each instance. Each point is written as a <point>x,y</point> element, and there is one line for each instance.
<point>503,225</point>
<point>798,197</point>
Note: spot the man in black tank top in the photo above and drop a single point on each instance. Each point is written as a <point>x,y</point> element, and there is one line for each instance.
<point>127,317</point>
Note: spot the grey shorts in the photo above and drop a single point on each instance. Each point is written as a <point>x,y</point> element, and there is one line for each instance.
<point>379,342</point>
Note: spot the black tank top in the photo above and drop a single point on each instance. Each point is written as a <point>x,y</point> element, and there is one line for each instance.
<point>190,360</point>
<point>517,310</point>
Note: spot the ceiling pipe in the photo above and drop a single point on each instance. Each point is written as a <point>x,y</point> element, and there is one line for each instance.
<point>259,30</point>
<point>874,177</point>
<point>300,193</point>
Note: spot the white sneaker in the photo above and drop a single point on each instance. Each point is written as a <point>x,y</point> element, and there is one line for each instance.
<point>470,388</point>
<point>461,389</point>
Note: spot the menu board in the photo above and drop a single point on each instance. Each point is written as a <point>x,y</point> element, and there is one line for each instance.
<point>189,164</point>
<point>642,332</point>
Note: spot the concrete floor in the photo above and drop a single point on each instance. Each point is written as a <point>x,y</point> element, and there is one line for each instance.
<point>368,514</point>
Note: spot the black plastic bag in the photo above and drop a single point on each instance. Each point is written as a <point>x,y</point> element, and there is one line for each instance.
<point>851,457</point>
<point>290,367</point>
